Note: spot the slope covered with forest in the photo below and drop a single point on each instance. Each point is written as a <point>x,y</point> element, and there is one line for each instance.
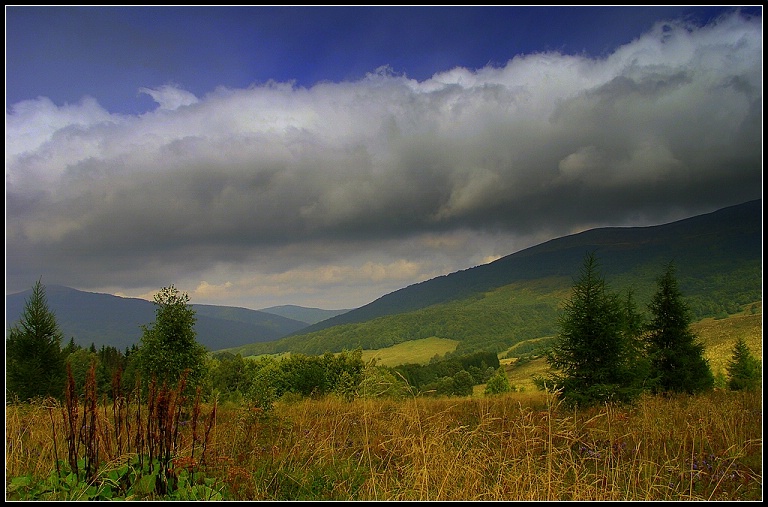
<point>718,259</point>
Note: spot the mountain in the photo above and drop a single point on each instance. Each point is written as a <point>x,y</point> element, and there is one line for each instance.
<point>104,319</point>
<point>717,256</point>
<point>302,314</point>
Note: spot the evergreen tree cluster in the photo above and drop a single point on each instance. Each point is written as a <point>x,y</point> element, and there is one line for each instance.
<point>604,352</point>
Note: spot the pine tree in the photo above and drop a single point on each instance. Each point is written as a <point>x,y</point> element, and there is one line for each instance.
<point>744,370</point>
<point>590,354</point>
<point>34,360</point>
<point>677,359</point>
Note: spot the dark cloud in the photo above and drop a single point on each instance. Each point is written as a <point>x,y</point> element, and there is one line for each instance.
<point>362,187</point>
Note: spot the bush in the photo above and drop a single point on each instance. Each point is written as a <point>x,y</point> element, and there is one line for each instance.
<point>498,383</point>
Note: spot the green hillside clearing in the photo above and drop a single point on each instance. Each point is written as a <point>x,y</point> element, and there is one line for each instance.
<point>414,351</point>
<point>719,335</point>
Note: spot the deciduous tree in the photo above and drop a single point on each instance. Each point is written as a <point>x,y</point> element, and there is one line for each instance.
<point>169,347</point>
<point>463,383</point>
<point>498,383</point>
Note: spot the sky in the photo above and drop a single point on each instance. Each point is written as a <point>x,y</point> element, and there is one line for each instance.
<point>327,156</point>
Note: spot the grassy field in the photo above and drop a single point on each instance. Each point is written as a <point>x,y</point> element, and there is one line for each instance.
<point>413,351</point>
<point>719,336</point>
<point>517,446</point>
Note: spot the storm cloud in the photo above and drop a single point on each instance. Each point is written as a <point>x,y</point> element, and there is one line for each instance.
<point>335,194</point>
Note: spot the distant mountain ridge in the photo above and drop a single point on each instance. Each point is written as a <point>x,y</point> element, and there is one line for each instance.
<point>303,314</point>
<point>104,319</point>
<point>699,246</point>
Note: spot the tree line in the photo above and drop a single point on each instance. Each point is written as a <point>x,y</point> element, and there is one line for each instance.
<point>38,366</point>
<point>604,351</point>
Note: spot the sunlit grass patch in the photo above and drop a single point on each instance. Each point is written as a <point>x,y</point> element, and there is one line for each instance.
<point>413,351</point>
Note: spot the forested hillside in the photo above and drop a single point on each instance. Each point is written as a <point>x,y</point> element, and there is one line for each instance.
<point>492,307</point>
<point>727,241</point>
<point>302,314</point>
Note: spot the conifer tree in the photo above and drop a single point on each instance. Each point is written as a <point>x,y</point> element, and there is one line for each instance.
<point>677,359</point>
<point>590,354</point>
<point>34,361</point>
<point>744,370</point>
<point>636,364</point>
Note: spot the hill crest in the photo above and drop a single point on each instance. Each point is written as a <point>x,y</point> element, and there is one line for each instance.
<point>733,232</point>
<point>106,319</point>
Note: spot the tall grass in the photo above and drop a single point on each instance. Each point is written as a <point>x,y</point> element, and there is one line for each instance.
<point>513,447</point>
<point>517,446</point>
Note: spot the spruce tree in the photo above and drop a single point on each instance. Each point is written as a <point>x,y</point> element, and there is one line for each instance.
<point>744,370</point>
<point>34,360</point>
<point>677,359</point>
<point>590,353</point>
<point>636,364</point>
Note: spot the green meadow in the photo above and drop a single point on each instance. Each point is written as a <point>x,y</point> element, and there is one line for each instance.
<point>414,351</point>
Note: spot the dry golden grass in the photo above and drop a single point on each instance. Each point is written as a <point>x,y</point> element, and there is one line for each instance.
<point>519,446</point>
<point>514,447</point>
<point>29,438</point>
<point>720,335</point>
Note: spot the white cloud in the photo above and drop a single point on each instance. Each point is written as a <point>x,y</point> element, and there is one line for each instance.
<point>170,97</point>
<point>319,187</point>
